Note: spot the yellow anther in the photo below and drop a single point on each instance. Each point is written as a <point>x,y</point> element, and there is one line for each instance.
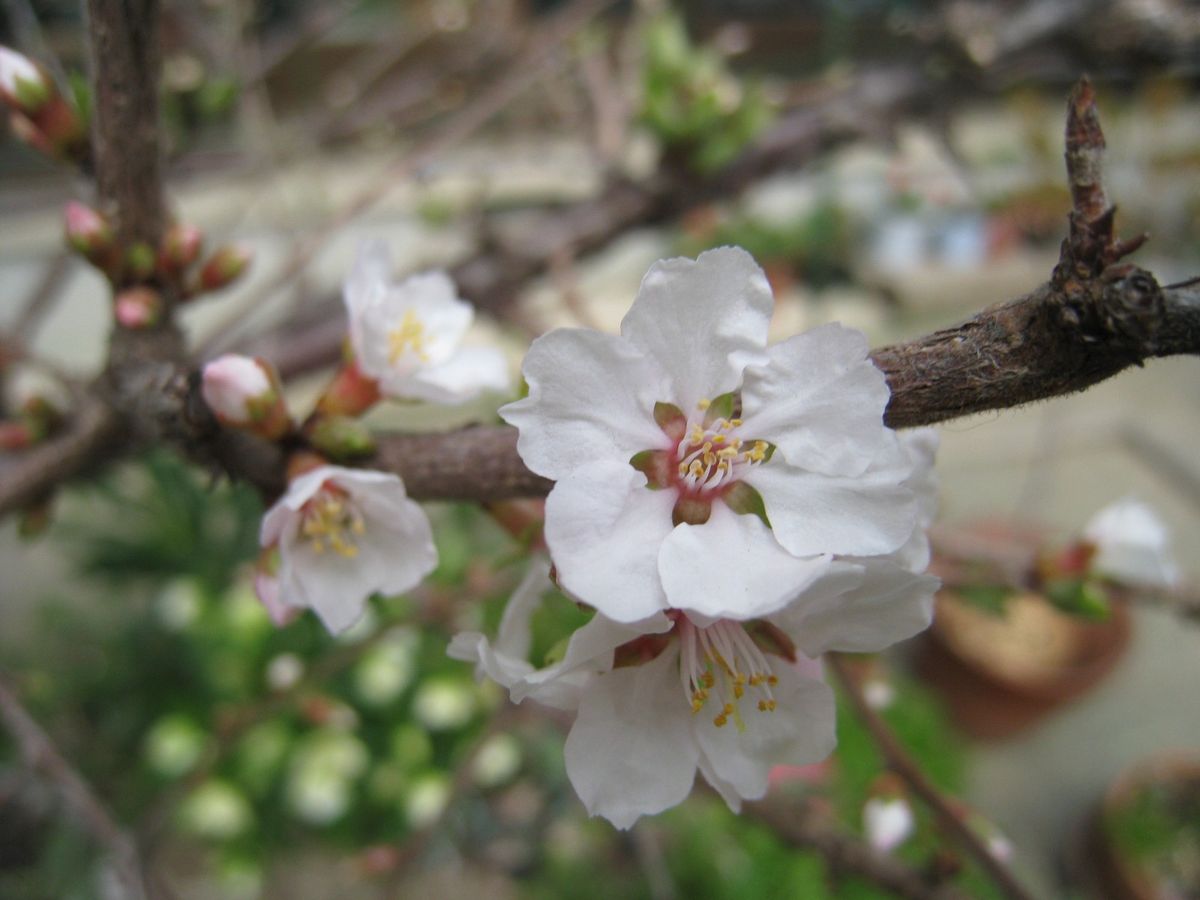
<point>766,706</point>
<point>727,452</point>
<point>703,404</point>
<point>408,335</point>
<point>718,439</point>
<point>772,680</point>
<point>329,523</point>
<point>735,423</point>
<point>708,679</point>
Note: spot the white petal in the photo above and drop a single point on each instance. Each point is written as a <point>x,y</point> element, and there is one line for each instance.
<point>604,528</point>
<point>703,320</point>
<point>890,604</point>
<point>811,513</point>
<point>799,731</point>
<point>430,301</point>
<point>1132,544</point>
<point>819,399</point>
<point>726,790</point>
<point>515,634</point>
<point>366,286</point>
<point>732,567</point>
<point>468,372</point>
<point>591,397</point>
<point>631,752</point>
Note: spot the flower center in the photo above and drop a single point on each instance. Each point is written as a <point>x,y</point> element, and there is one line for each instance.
<point>331,522</point>
<point>712,454</point>
<point>409,335</point>
<point>708,462</point>
<point>718,664</point>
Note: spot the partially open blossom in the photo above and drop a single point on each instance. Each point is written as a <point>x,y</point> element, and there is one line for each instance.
<point>1132,545</point>
<point>408,336</point>
<point>244,392</point>
<point>342,535</point>
<point>138,307</point>
<point>22,84</point>
<point>697,468</point>
<point>676,693</point>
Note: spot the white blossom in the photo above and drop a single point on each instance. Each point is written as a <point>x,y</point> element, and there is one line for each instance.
<point>888,822</point>
<point>660,699</point>
<point>344,534</point>
<point>408,336</point>
<point>1132,545</point>
<point>698,469</point>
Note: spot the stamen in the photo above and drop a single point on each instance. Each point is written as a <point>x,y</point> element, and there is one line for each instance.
<point>330,522</point>
<point>722,661</point>
<point>408,335</point>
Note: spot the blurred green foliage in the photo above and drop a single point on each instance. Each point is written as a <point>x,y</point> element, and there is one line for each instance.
<point>166,683</point>
<point>691,102</point>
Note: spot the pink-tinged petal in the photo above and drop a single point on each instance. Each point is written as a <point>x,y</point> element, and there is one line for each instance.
<point>819,399</point>
<point>811,513</point>
<point>591,398</point>
<point>799,731</point>
<point>732,567</point>
<point>266,588</point>
<point>889,604</point>
<point>463,376</point>
<point>631,752</point>
<point>604,528</point>
<point>703,321</point>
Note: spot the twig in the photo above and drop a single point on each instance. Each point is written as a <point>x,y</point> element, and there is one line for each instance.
<point>898,760</point>
<point>473,117</point>
<point>804,827</point>
<point>40,754</point>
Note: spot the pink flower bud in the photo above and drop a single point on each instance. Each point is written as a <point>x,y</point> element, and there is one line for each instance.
<point>224,267</point>
<point>180,248</point>
<point>244,393</point>
<point>138,307</point>
<point>23,85</point>
<point>87,231</point>
<point>15,436</point>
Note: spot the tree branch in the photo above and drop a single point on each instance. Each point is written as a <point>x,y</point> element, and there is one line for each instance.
<point>898,760</point>
<point>40,755</point>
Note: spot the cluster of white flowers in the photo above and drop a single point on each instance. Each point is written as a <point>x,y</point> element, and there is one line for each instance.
<point>730,511</point>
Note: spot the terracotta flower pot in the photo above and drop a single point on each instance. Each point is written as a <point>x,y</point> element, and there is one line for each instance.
<point>1001,673</point>
<point>1145,841</point>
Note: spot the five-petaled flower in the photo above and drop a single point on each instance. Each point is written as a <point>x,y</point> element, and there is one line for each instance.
<point>676,693</point>
<point>342,535</point>
<point>408,336</point>
<point>697,468</point>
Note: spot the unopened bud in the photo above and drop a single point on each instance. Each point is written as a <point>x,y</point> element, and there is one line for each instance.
<point>88,233</point>
<point>888,822</point>
<point>180,248</point>
<point>224,267</point>
<point>245,393</point>
<point>351,393</point>
<point>341,437</point>
<point>139,261</point>
<point>138,307</point>
<point>23,84</point>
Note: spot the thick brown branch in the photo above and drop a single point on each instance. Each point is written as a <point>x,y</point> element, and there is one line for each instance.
<point>125,63</point>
